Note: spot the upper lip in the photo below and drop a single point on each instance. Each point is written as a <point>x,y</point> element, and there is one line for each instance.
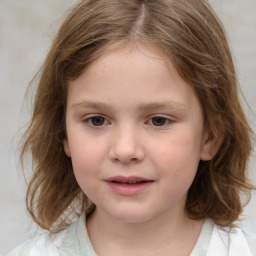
<point>126,179</point>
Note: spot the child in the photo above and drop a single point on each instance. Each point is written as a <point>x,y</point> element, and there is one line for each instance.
<point>137,131</point>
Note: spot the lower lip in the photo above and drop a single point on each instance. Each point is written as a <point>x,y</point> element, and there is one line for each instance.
<point>129,189</point>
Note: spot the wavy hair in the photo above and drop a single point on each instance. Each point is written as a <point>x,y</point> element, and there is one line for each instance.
<point>188,33</point>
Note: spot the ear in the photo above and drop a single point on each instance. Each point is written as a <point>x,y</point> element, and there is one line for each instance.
<point>210,144</point>
<point>66,147</point>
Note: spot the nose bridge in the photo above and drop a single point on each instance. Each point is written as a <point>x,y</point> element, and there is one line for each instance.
<point>126,144</point>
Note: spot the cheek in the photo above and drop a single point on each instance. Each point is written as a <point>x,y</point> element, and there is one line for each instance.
<point>85,169</point>
<point>177,169</point>
<point>86,158</point>
<point>178,158</point>
<point>85,151</point>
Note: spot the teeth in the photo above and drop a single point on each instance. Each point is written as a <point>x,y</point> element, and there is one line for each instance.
<point>130,182</point>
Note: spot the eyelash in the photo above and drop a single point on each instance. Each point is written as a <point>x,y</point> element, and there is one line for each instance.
<point>89,120</point>
<point>166,121</point>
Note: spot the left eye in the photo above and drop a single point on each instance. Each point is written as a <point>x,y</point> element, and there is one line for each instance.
<point>159,121</point>
<point>97,121</point>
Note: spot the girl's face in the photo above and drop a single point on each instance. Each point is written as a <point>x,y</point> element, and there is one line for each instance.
<point>135,134</point>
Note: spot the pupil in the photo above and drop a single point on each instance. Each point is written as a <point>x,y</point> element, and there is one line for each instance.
<point>97,121</point>
<point>158,121</point>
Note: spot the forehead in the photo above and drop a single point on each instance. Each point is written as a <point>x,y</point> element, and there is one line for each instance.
<point>141,71</point>
<point>134,54</point>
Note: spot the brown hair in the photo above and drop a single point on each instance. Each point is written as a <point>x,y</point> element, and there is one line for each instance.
<point>189,33</point>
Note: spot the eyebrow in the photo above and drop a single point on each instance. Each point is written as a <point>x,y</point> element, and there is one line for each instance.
<point>163,105</point>
<point>92,104</point>
<point>142,107</point>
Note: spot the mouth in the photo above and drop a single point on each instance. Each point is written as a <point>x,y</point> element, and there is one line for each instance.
<point>128,180</point>
<point>128,186</point>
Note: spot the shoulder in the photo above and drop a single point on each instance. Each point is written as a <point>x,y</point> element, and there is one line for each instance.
<point>65,242</point>
<point>251,240</point>
<point>23,249</point>
<point>41,245</point>
<point>234,240</point>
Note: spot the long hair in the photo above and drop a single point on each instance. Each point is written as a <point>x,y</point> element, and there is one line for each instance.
<point>192,37</point>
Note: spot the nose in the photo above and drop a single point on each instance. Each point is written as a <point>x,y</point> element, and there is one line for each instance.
<point>125,146</point>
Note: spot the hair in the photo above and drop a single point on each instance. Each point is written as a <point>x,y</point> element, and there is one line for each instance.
<point>193,38</point>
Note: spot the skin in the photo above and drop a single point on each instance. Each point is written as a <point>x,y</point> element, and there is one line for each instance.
<point>150,124</point>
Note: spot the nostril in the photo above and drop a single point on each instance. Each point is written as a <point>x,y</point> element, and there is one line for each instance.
<point>126,157</point>
<point>126,147</point>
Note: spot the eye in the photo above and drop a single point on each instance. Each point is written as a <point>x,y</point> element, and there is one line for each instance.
<point>96,121</point>
<point>159,121</point>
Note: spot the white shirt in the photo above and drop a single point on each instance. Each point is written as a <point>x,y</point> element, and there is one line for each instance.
<point>74,241</point>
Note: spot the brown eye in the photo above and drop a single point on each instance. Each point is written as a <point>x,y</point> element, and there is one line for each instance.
<point>97,121</point>
<point>159,121</point>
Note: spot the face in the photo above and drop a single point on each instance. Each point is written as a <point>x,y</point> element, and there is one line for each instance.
<point>134,134</point>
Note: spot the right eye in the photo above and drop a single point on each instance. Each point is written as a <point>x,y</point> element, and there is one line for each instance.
<point>96,121</point>
<point>159,121</point>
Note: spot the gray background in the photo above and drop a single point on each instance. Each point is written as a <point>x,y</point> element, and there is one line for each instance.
<point>26,29</point>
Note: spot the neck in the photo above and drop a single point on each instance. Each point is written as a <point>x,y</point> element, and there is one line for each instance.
<point>168,232</point>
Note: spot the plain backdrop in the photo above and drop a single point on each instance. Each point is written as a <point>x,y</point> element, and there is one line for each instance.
<point>26,30</point>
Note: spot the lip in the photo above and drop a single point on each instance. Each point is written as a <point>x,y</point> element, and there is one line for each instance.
<point>121,185</point>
